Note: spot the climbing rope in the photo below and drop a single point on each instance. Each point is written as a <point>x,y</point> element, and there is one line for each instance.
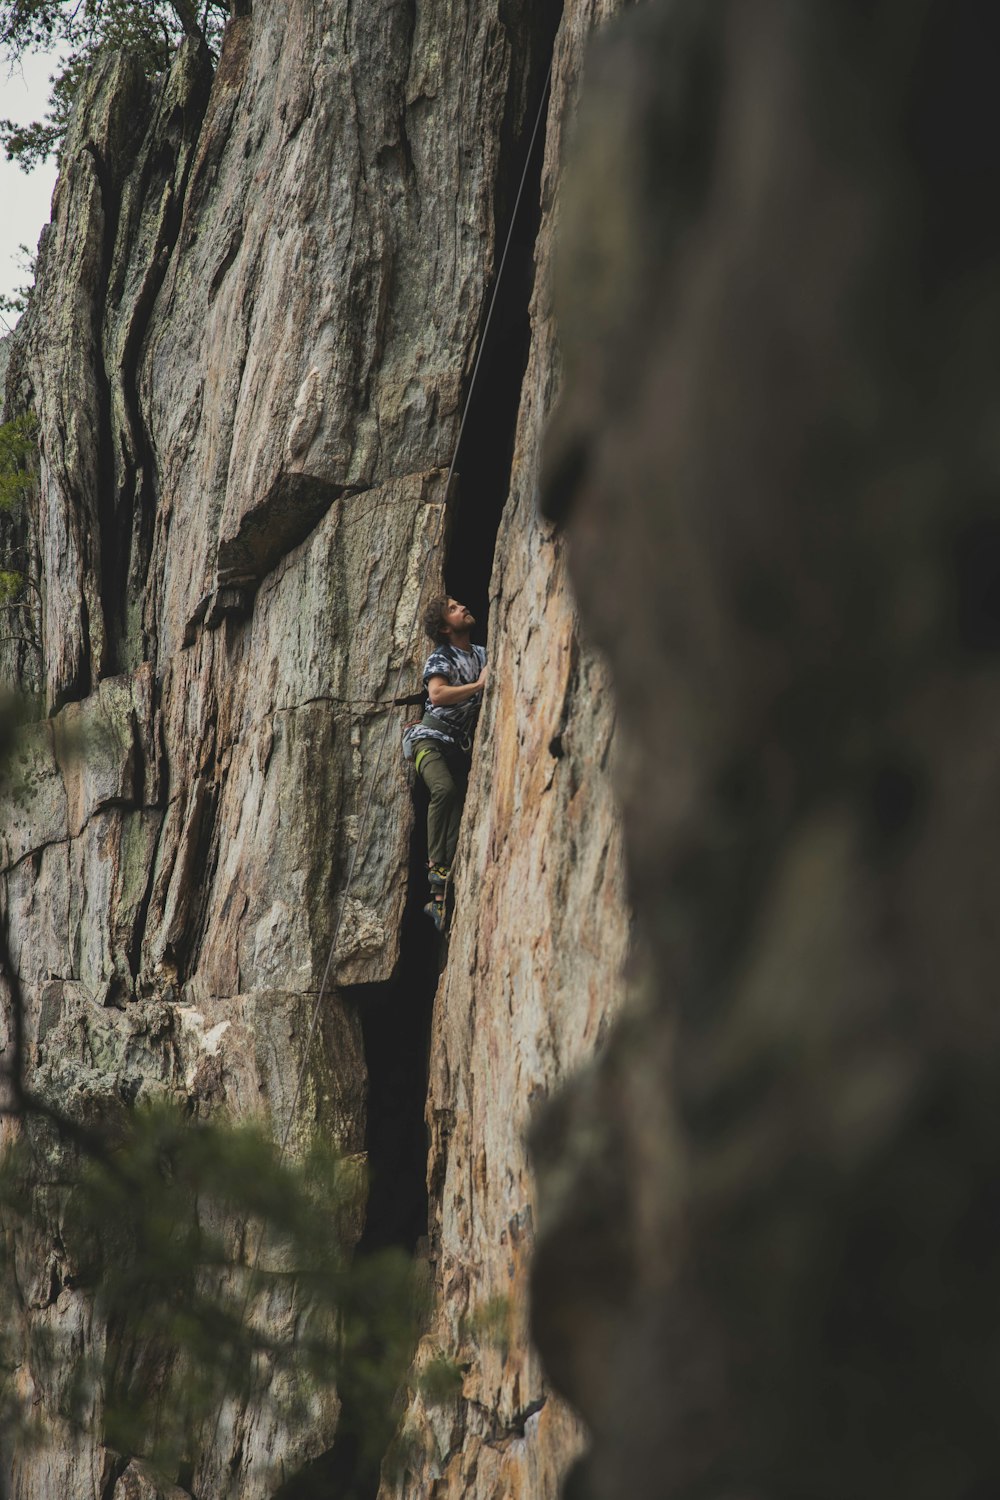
<point>363,822</point>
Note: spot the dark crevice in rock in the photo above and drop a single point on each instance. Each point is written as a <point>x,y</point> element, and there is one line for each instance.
<point>116,1466</point>
<point>133,953</point>
<point>486,451</point>
<point>225,264</point>
<point>409,171</point>
<point>337,1472</point>
<point>79,685</point>
<point>395,1025</point>
<point>177,131</point>
<point>217,124</point>
<point>481,1422</point>
<point>107,563</point>
<point>205,842</point>
<point>558,744</point>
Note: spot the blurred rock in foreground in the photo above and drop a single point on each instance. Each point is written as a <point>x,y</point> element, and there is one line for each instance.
<point>769,1215</point>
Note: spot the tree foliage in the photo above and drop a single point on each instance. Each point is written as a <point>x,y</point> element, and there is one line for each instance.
<point>79,31</point>
<point>18,459</point>
<point>222,1275</point>
<point>221,1270</point>
<point>18,474</point>
<point>16,301</point>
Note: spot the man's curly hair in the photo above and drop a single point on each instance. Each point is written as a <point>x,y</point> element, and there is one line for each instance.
<point>434,616</point>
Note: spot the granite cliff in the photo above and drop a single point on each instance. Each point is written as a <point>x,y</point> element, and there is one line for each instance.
<point>759,1220</point>
<point>257,309</point>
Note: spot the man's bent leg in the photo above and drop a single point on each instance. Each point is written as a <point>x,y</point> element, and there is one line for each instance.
<point>445,808</point>
<point>461,780</point>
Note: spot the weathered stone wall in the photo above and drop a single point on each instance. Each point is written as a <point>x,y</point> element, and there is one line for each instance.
<point>537,948</point>
<point>256,315</point>
<point>766,1217</point>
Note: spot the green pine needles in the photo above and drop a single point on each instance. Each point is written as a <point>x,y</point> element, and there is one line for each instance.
<point>223,1275</point>
<point>18,460</point>
<point>18,471</point>
<point>77,32</point>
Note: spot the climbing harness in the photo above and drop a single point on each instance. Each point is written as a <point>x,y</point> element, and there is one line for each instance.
<point>396,699</point>
<point>433,720</point>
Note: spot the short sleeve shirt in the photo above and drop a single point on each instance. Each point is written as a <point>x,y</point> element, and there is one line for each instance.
<point>457,720</point>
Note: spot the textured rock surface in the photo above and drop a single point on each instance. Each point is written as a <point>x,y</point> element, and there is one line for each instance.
<point>257,312</point>
<point>767,1213</point>
<point>535,958</point>
<point>763,1266</point>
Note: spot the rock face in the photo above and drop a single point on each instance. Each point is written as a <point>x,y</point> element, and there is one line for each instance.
<point>257,312</point>
<point>535,961</point>
<point>763,1265</point>
<point>761,1244</point>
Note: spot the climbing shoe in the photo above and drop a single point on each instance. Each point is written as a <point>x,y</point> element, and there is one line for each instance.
<point>438,877</point>
<point>437,911</point>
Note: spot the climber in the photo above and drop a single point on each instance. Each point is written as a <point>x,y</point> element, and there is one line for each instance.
<point>440,745</point>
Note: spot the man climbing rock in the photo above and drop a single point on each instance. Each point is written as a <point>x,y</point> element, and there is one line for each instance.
<point>441,744</point>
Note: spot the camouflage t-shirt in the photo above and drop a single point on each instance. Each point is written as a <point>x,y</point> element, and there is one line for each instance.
<point>457,720</point>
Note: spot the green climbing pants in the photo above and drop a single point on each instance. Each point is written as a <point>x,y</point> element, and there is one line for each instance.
<point>447,785</point>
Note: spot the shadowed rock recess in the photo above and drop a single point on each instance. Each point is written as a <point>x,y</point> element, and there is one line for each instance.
<point>257,309</point>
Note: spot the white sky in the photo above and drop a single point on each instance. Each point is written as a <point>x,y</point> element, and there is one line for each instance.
<point>24,200</point>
